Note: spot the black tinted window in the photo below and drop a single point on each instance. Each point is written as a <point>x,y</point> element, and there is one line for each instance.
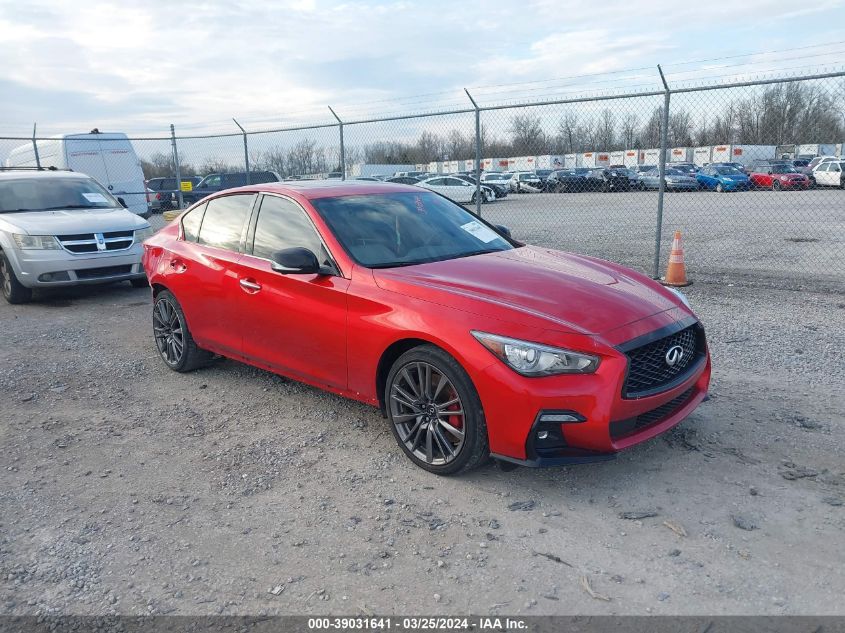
<point>191,223</point>
<point>224,221</point>
<point>283,224</point>
<point>234,180</point>
<point>262,176</point>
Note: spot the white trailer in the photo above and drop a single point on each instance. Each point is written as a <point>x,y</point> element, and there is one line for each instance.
<point>375,169</point>
<point>469,164</point>
<point>435,167</point>
<point>679,155</point>
<point>650,156</point>
<point>421,167</point>
<point>570,161</point>
<point>701,156</point>
<point>548,161</point>
<point>587,159</point>
<point>742,154</point>
<point>617,158</point>
<point>817,149</point>
<point>494,164</point>
<point>602,159</point>
<point>522,163</point>
<point>632,158</point>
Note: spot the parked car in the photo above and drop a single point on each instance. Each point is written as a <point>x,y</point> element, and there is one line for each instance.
<point>499,190</point>
<point>404,180</point>
<point>568,180</point>
<point>674,179</point>
<point>163,194</point>
<point>603,179</point>
<point>686,168</point>
<point>543,175</point>
<point>473,345</point>
<point>761,166</point>
<point>367,178</point>
<point>641,168</point>
<point>502,179</point>
<point>61,228</point>
<point>456,189</point>
<point>779,176</point>
<point>411,174</point>
<point>109,157</point>
<point>809,170</point>
<point>721,178</point>
<point>525,182</point>
<point>218,182</point>
<point>830,174</point>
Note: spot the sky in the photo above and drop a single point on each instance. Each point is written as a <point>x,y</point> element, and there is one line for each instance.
<point>138,67</point>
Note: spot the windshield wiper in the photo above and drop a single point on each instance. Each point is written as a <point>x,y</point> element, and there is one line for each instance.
<point>71,206</point>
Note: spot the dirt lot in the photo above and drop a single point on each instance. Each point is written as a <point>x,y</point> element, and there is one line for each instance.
<point>130,489</point>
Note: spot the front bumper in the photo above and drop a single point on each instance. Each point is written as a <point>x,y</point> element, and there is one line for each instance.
<point>609,422</point>
<point>736,185</point>
<point>51,269</point>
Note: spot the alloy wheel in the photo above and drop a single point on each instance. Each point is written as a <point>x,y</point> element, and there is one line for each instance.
<point>169,332</point>
<point>428,413</point>
<point>6,276</point>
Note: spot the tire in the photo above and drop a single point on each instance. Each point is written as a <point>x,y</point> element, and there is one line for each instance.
<point>425,442</point>
<point>168,313</point>
<point>720,188</point>
<point>140,283</point>
<point>13,290</point>
<point>776,185</point>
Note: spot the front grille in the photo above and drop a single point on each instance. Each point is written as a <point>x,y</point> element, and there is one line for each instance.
<point>105,271</point>
<point>621,428</point>
<point>648,370</point>
<point>90,242</point>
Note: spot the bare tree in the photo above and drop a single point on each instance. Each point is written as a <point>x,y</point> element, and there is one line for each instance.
<point>527,136</point>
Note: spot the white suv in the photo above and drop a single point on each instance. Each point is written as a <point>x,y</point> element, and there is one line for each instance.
<point>60,228</point>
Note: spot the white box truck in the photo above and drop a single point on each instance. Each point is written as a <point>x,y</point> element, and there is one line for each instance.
<point>742,154</point>
<point>679,155</point>
<point>587,159</point>
<point>817,149</point>
<point>494,164</point>
<point>701,156</point>
<point>522,163</point>
<point>434,167</point>
<point>632,158</point>
<point>650,156</point>
<point>570,161</point>
<point>617,158</point>
<point>602,159</point>
<point>548,161</point>
<point>469,164</point>
<point>109,158</point>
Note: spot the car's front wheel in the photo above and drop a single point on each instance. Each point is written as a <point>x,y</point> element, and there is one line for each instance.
<point>720,188</point>
<point>13,290</point>
<point>435,412</point>
<point>173,339</point>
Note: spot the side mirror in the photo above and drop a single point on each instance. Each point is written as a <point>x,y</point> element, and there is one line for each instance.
<point>122,203</point>
<point>503,229</point>
<point>295,261</point>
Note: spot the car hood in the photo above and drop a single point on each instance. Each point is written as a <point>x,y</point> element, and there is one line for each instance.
<point>563,291</point>
<point>68,221</point>
<point>733,177</point>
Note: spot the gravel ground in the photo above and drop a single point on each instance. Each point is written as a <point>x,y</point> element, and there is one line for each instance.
<point>129,489</point>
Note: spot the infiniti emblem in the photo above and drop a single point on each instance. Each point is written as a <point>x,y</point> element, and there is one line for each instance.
<point>674,354</point>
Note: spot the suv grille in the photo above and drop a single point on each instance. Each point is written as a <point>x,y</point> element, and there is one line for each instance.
<point>648,370</point>
<point>632,425</point>
<point>107,271</point>
<point>90,242</point>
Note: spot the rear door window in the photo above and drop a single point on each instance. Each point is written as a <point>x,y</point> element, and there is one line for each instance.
<point>191,224</point>
<point>224,221</point>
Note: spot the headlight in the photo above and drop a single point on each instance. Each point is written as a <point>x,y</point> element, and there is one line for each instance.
<point>533,359</point>
<point>680,296</point>
<point>36,242</point>
<point>142,234</point>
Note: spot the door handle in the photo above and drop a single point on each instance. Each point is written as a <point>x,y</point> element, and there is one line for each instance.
<point>250,286</point>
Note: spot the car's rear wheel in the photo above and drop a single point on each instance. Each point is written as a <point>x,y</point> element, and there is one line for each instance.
<point>776,185</point>
<point>13,290</point>
<point>435,412</point>
<point>173,339</point>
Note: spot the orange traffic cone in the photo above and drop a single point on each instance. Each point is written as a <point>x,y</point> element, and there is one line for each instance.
<point>676,272</point>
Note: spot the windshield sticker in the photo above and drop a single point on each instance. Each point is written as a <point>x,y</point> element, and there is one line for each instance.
<point>479,231</point>
<point>95,197</point>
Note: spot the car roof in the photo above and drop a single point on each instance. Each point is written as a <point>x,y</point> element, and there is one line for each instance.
<point>8,174</point>
<point>313,189</point>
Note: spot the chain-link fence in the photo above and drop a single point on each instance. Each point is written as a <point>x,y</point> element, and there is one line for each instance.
<point>752,172</point>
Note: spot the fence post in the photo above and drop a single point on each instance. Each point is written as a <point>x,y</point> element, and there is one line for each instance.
<point>246,149</point>
<point>35,147</point>
<point>342,150</point>
<point>176,165</point>
<point>664,141</point>
<point>477,154</point>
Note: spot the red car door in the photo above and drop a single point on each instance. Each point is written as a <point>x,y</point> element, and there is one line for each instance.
<point>294,324</point>
<point>202,271</point>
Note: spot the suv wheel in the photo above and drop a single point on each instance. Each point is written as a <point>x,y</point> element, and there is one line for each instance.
<point>13,290</point>
<point>173,339</point>
<point>435,412</point>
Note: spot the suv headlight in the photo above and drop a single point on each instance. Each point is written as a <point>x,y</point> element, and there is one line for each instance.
<point>36,242</point>
<point>533,359</point>
<point>142,234</point>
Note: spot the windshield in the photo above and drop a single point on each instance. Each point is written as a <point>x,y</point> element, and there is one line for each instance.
<point>727,171</point>
<point>497,177</point>
<point>50,194</point>
<point>784,169</point>
<point>675,172</point>
<point>400,229</point>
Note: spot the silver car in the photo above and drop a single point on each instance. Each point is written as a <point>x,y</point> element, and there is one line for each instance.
<point>676,180</point>
<point>60,228</point>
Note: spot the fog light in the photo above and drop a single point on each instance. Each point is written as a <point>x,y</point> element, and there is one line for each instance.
<point>542,435</point>
<point>46,277</point>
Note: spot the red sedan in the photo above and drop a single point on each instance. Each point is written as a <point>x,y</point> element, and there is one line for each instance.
<point>471,343</point>
<point>779,176</point>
